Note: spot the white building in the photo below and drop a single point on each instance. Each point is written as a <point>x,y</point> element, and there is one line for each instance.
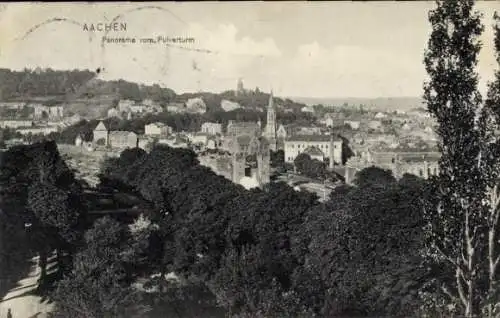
<point>228,105</point>
<point>37,130</point>
<point>352,123</point>
<point>297,144</point>
<point>211,128</point>
<point>157,129</point>
<point>113,112</point>
<point>380,115</point>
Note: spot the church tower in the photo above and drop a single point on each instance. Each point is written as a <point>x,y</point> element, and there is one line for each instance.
<point>270,132</point>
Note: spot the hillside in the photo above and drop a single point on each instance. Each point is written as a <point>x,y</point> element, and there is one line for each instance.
<point>82,92</point>
<point>380,103</point>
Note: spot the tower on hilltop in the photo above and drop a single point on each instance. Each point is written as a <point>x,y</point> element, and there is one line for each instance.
<point>239,87</point>
<point>270,131</point>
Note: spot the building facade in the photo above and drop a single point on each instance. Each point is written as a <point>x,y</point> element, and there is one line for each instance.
<point>157,129</point>
<point>330,146</point>
<point>211,128</point>
<point>123,139</point>
<point>235,128</point>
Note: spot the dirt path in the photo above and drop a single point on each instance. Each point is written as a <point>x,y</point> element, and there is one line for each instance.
<point>21,302</point>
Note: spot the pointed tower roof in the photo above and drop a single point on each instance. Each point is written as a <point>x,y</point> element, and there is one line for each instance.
<point>270,104</point>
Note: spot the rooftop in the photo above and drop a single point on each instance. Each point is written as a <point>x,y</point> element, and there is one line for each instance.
<point>313,138</point>
<point>120,133</point>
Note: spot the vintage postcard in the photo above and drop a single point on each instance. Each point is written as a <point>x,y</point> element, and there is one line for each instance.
<point>250,159</point>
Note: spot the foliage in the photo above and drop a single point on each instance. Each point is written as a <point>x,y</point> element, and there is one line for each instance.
<point>312,168</point>
<point>372,176</point>
<point>100,283</point>
<point>364,246</point>
<point>459,206</point>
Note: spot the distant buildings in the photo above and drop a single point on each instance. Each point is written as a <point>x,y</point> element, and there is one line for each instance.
<point>235,128</point>
<point>42,112</point>
<point>113,112</point>
<point>16,123</point>
<point>123,139</point>
<point>211,128</point>
<point>421,164</point>
<point>353,124</point>
<point>380,115</point>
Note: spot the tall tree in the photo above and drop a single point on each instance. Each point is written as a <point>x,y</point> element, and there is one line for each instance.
<point>492,111</point>
<point>456,208</point>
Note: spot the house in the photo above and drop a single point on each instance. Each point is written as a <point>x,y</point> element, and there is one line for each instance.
<point>329,121</point>
<point>235,128</point>
<point>281,132</point>
<point>113,112</point>
<point>211,128</point>
<point>198,138</point>
<point>380,115</point>
<point>157,129</point>
<point>123,139</point>
<point>42,112</point>
<point>330,147</point>
<point>213,143</point>
<point>101,134</point>
<point>353,124</point>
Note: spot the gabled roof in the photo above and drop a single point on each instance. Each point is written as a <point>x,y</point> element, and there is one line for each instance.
<point>101,127</point>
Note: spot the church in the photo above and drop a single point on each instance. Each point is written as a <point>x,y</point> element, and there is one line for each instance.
<point>248,140</point>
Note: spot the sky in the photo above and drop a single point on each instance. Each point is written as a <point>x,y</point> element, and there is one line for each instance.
<point>323,50</point>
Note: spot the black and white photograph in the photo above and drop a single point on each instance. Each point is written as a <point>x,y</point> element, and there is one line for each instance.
<point>272,159</point>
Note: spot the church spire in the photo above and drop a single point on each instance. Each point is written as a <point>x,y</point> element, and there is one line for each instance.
<point>270,104</point>
<point>270,131</point>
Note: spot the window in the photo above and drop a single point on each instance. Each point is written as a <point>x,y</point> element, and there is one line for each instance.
<point>420,173</point>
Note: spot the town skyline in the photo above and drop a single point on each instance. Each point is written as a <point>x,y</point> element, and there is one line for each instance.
<point>380,55</point>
